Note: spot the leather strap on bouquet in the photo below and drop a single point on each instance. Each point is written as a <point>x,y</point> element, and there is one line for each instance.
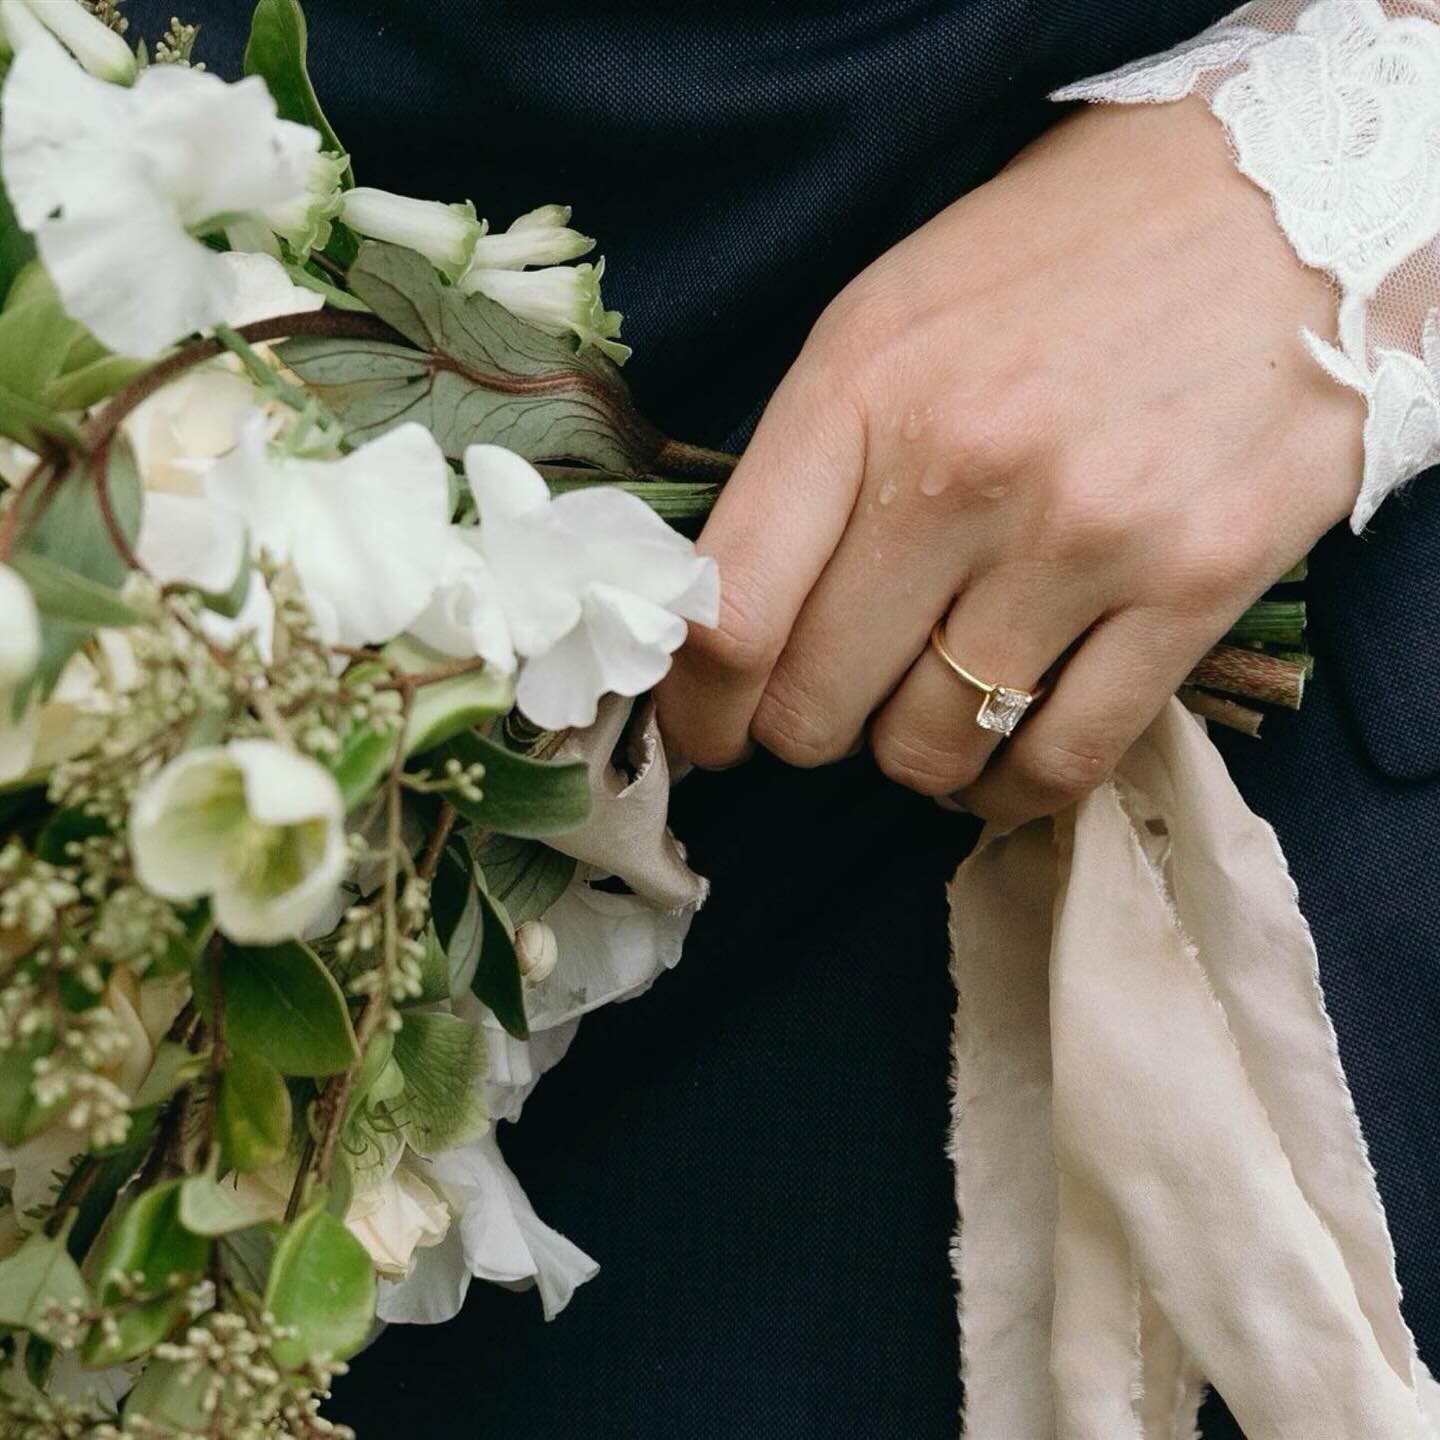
<point>1160,1175</point>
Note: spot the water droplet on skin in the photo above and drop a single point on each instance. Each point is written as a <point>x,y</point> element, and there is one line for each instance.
<point>995,492</point>
<point>888,490</point>
<point>935,482</point>
<point>916,421</point>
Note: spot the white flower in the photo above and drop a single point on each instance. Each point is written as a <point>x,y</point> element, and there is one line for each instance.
<point>94,44</point>
<point>596,588</point>
<point>397,1217</point>
<point>539,237</point>
<point>1340,122</point>
<point>182,429</point>
<point>19,654</point>
<point>536,950</point>
<point>561,299</point>
<point>444,234</point>
<point>362,533</point>
<point>115,184</point>
<point>261,290</point>
<point>465,617</point>
<point>303,220</point>
<point>254,827</point>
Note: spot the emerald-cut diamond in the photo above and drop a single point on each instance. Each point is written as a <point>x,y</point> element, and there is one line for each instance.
<point>1002,710</point>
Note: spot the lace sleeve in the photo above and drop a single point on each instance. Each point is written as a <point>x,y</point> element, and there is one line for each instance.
<point>1333,109</point>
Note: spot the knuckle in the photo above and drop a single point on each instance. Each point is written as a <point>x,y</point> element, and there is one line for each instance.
<point>859,317</point>
<point>1058,774</point>
<point>795,730</point>
<point>744,642</point>
<point>980,448</point>
<point>1085,519</point>
<point>918,765</point>
<point>1215,581</point>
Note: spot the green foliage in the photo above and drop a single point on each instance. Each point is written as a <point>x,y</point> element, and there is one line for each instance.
<point>447,707</point>
<point>174,1067</point>
<point>170,1395</point>
<point>276,51</point>
<point>363,760</point>
<point>17,249</point>
<point>520,796</point>
<point>254,1113</point>
<point>71,539</point>
<point>37,1279</point>
<point>524,875</point>
<point>441,1057</point>
<point>20,1114</point>
<point>477,374</point>
<point>283,1005</point>
<point>497,981</point>
<point>71,599</point>
<point>322,1283</point>
<point>210,1206</point>
<point>150,1253</point>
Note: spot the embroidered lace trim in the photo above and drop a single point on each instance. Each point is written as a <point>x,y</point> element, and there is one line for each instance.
<point>1333,109</point>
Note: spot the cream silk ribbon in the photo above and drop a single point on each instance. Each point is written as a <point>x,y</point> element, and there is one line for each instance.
<point>1160,1175</point>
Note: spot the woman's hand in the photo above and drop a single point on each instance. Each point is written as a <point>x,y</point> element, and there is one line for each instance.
<point>1073,415</point>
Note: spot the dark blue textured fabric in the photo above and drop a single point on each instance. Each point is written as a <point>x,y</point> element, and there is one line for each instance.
<point>755,1151</point>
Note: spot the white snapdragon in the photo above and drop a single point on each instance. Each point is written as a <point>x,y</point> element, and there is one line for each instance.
<point>116,184</point>
<point>445,235</point>
<point>94,44</point>
<point>539,237</point>
<point>255,828</point>
<point>363,533</point>
<point>563,299</point>
<point>594,587</point>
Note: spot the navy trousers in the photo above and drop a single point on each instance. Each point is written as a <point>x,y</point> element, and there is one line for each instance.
<point>755,1151</point>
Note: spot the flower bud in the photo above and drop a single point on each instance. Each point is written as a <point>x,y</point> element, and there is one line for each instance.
<point>93,43</point>
<point>304,220</point>
<point>558,299</point>
<point>537,950</point>
<point>444,234</point>
<point>541,237</point>
<point>19,636</point>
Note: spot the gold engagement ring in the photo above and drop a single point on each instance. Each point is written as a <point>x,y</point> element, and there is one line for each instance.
<point>1003,707</point>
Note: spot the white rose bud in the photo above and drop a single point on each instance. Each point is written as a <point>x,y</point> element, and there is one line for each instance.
<point>93,43</point>
<point>254,827</point>
<point>444,234</point>
<point>537,950</point>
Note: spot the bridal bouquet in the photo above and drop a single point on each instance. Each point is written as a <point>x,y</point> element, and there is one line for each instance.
<point>330,547</point>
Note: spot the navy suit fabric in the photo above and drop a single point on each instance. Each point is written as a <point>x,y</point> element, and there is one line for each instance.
<point>756,1150</point>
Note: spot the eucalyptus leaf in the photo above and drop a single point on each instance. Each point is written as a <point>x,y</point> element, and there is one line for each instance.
<point>524,875</point>
<point>62,595</point>
<point>441,1057</point>
<point>322,1283</point>
<point>39,1277</point>
<point>519,796</point>
<point>283,1005</point>
<point>149,1242</point>
<point>276,51</point>
<point>497,982</point>
<point>254,1113</point>
<point>477,374</point>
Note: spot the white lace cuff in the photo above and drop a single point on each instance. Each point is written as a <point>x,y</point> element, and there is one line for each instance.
<point>1333,109</point>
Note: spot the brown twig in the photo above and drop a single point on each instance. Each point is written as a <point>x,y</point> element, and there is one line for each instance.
<point>1222,711</point>
<point>1252,675</point>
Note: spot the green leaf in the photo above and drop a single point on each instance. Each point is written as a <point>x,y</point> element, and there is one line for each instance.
<point>35,337</point>
<point>519,796</point>
<point>283,1005</point>
<point>434,970</point>
<point>72,533</point>
<point>448,707</point>
<point>38,1277</point>
<point>17,249</point>
<point>20,1114</point>
<point>441,1057</point>
<point>171,1397</point>
<point>669,499</point>
<point>322,1283</point>
<point>497,981</point>
<point>254,1113</point>
<point>150,1243</point>
<point>524,875</point>
<point>34,425</point>
<point>276,52</point>
<point>363,760</point>
<point>450,893</point>
<point>64,596</point>
<point>477,374</point>
<point>64,826</point>
<point>173,1068</point>
<point>212,1207</point>
<point>80,387</point>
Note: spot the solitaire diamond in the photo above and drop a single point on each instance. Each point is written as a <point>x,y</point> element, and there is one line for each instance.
<point>1002,710</point>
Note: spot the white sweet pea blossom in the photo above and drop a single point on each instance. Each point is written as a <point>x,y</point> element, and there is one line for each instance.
<point>465,616</point>
<point>115,185</point>
<point>594,586</point>
<point>94,44</point>
<point>539,237</point>
<point>444,234</point>
<point>563,299</point>
<point>362,533</point>
<point>261,290</point>
<point>256,828</point>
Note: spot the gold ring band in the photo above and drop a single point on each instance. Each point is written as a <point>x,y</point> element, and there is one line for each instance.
<point>1003,707</point>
